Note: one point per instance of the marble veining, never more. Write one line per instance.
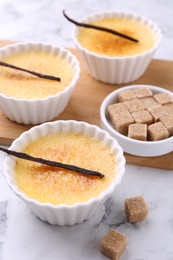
(3, 216)
(25, 237)
(3, 221)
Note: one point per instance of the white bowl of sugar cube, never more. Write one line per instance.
(140, 118)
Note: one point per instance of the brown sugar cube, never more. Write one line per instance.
(157, 112)
(136, 209)
(138, 131)
(133, 105)
(143, 117)
(168, 108)
(117, 108)
(113, 244)
(163, 98)
(157, 131)
(143, 92)
(126, 95)
(148, 102)
(168, 122)
(121, 123)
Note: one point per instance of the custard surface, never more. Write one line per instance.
(21, 85)
(111, 45)
(58, 186)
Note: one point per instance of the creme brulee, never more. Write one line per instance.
(22, 85)
(111, 45)
(58, 186)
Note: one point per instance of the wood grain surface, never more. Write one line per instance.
(85, 102)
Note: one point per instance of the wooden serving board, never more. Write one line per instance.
(85, 102)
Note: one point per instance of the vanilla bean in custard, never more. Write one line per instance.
(52, 163)
(100, 28)
(39, 75)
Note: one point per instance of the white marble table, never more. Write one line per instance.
(23, 236)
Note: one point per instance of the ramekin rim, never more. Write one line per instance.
(100, 197)
(99, 56)
(74, 80)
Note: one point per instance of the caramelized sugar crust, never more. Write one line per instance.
(20, 84)
(58, 186)
(110, 45)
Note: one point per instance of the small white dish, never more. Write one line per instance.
(131, 146)
(63, 214)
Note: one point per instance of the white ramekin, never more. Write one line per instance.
(117, 70)
(64, 214)
(132, 146)
(38, 110)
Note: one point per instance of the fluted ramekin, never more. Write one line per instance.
(64, 214)
(38, 110)
(117, 70)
